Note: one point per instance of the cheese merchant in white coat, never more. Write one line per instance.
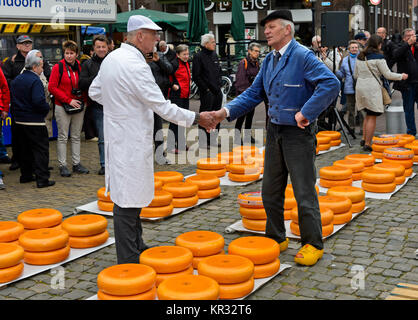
(129, 94)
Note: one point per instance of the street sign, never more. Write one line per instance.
(375, 2)
(326, 4)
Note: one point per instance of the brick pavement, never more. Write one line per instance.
(382, 241)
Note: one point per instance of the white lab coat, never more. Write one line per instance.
(129, 94)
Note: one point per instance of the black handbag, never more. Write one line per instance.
(69, 109)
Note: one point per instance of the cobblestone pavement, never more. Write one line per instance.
(379, 245)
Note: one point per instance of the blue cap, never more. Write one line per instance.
(23, 38)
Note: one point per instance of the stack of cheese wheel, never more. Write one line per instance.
(252, 211)
(158, 184)
(86, 230)
(414, 147)
(355, 194)
(104, 203)
(290, 201)
(233, 273)
(168, 176)
(367, 159)
(202, 244)
(227, 157)
(356, 167)
(382, 142)
(10, 231)
(244, 172)
(327, 220)
(378, 181)
(397, 169)
(40, 218)
(11, 265)
(245, 151)
(130, 281)
(322, 143)
(188, 287)
(208, 184)
(259, 160)
(184, 193)
(333, 176)
(401, 156)
(160, 206)
(334, 135)
(340, 206)
(404, 139)
(44, 246)
(262, 251)
(168, 261)
(213, 166)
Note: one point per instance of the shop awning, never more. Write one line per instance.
(92, 30)
(163, 19)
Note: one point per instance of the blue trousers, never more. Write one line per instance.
(409, 98)
(98, 119)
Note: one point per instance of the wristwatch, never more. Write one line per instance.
(197, 118)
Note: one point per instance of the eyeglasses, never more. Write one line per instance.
(26, 43)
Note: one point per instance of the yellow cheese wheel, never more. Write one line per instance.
(397, 169)
(167, 259)
(10, 230)
(342, 218)
(126, 279)
(335, 173)
(40, 218)
(266, 270)
(211, 164)
(415, 159)
(286, 214)
(169, 176)
(256, 225)
(243, 177)
(253, 213)
(358, 206)
(258, 159)
(325, 183)
(323, 147)
(151, 294)
(227, 157)
(14, 242)
(356, 176)
(88, 241)
(247, 150)
(398, 153)
(381, 147)
(156, 212)
(322, 139)
(355, 165)
(377, 176)
(188, 287)
(289, 203)
(158, 184)
(105, 206)
(386, 139)
(205, 181)
(367, 159)
(289, 190)
(400, 180)
(258, 249)
(196, 260)
(413, 147)
(337, 204)
(181, 189)
(10, 255)
(102, 196)
(164, 276)
(335, 143)
(236, 290)
(44, 239)
(201, 242)
(218, 173)
(46, 257)
(243, 168)
(334, 135)
(406, 163)
(327, 216)
(162, 198)
(401, 143)
(326, 229)
(408, 137)
(227, 268)
(355, 194)
(250, 199)
(209, 193)
(185, 202)
(84, 225)
(408, 172)
(379, 187)
(11, 273)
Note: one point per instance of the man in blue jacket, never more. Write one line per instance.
(299, 88)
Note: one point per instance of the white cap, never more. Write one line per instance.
(141, 22)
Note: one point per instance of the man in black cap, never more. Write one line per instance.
(361, 39)
(299, 87)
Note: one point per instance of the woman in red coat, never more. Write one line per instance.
(4, 110)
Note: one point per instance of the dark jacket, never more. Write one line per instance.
(14, 65)
(246, 73)
(88, 72)
(28, 103)
(170, 55)
(181, 77)
(161, 70)
(206, 71)
(406, 63)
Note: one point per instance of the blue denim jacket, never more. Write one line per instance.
(344, 72)
(300, 82)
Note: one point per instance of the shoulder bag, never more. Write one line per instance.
(69, 109)
(385, 94)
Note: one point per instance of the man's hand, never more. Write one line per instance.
(155, 57)
(175, 87)
(4, 115)
(301, 120)
(207, 121)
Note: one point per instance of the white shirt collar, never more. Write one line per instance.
(282, 50)
(166, 50)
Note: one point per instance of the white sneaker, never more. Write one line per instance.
(2, 186)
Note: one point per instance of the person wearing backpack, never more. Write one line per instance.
(69, 107)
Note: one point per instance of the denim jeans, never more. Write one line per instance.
(98, 118)
(3, 151)
(409, 98)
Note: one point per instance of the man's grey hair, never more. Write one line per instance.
(253, 45)
(182, 47)
(316, 38)
(292, 26)
(132, 34)
(206, 38)
(406, 30)
(32, 60)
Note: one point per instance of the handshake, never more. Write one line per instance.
(210, 119)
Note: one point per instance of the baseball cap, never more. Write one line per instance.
(23, 38)
(141, 22)
(360, 36)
